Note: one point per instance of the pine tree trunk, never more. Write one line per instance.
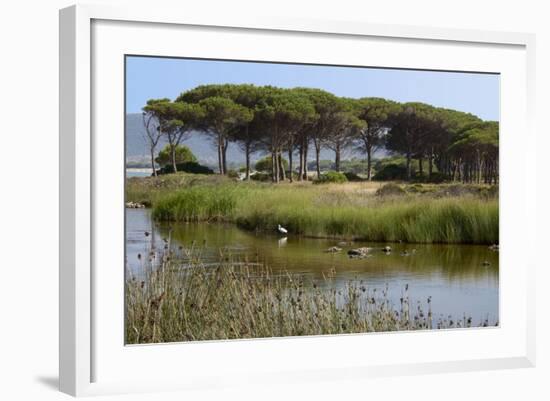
(290, 164)
(317, 160)
(224, 155)
(369, 163)
(276, 161)
(305, 162)
(153, 161)
(430, 164)
(337, 158)
(408, 166)
(281, 166)
(220, 164)
(273, 169)
(173, 157)
(301, 163)
(247, 173)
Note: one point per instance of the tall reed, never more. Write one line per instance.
(313, 211)
(183, 299)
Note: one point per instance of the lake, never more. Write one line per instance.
(139, 172)
(460, 279)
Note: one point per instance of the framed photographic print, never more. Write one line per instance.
(248, 201)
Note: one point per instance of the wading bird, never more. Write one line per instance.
(282, 230)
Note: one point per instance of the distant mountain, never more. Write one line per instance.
(137, 149)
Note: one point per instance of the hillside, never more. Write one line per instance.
(137, 149)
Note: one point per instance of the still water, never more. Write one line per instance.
(457, 277)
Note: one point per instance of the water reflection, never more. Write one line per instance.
(461, 279)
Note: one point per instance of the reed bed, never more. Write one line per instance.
(330, 211)
(182, 299)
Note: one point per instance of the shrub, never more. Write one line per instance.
(264, 165)
(418, 188)
(391, 172)
(258, 176)
(353, 177)
(331, 177)
(183, 155)
(437, 177)
(233, 174)
(187, 167)
(324, 165)
(390, 189)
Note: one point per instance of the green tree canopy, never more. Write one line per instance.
(182, 153)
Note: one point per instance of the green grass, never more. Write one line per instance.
(184, 300)
(410, 220)
(442, 214)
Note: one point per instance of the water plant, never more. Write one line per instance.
(350, 211)
(183, 299)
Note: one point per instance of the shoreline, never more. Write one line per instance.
(319, 237)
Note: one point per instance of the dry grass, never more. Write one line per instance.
(184, 300)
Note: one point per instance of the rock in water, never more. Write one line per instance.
(334, 249)
(134, 205)
(359, 252)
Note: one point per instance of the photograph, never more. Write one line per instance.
(272, 199)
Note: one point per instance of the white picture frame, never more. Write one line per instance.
(83, 344)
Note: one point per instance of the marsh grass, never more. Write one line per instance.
(335, 212)
(182, 299)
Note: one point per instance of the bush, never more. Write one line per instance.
(391, 172)
(331, 177)
(353, 177)
(437, 178)
(264, 165)
(390, 189)
(233, 174)
(258, 176)
(187, 167)
(183, 155)
(324, 165)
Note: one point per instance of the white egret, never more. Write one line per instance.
(282, 230)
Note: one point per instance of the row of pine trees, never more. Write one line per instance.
(291, 123)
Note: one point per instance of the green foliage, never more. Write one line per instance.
(324, 165)
(331, 177)
(197, 204)
(332, 210)
(262, 177)
(183, 155)
(457, 145)
(186, 167)
(353, 177)
(264, 164)
(233, 174)
(391, 172)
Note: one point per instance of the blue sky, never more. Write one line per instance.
(151, 77)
